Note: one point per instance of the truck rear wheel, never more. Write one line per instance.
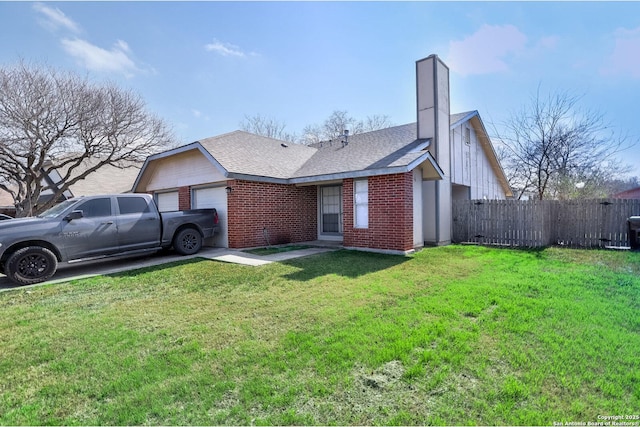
(187, 241)
(33, 264)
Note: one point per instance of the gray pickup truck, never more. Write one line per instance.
(89, 228)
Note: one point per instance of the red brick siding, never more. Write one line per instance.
(390, 214)
(184, 198)
(289, 213)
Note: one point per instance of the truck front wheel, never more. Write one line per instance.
(187, 241)
(33, 264)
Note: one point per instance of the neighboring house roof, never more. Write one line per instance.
(105, 180)
(633, 193)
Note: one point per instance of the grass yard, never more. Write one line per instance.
(452, 335)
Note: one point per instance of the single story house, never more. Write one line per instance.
(389, 190)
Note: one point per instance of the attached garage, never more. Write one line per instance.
(213, 197)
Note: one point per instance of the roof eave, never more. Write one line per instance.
(258, 178)
(465, 118)
(364, 173)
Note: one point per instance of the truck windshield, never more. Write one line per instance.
(57, 209)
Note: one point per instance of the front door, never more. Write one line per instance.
(331, 212)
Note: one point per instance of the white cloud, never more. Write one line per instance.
(199, 114)
(55, 18)
(225, 49)
(486, 50)
(118, 59)
(625, 58)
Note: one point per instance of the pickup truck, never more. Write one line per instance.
(89, 228)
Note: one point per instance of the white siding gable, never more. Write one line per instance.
(470, 166)
(183, 169)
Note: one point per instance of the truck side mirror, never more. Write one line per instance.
(74, 215)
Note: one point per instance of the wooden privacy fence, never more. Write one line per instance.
(532, 223)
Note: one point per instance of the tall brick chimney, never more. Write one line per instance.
(433, 114)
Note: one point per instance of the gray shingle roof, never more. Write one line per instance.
(367, 151)
(245, 153)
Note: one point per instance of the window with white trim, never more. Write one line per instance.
(361, 203)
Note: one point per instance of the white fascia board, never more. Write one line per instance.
(422, 146)
(468, 117)
(428, 158)
(373, 172)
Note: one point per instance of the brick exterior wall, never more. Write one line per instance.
(390, 214)
(184, 198)
(288, 213)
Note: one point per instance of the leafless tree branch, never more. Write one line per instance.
(552, 145)
(51, 119)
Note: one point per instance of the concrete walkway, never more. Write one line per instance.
(239, 257)
(67, 272)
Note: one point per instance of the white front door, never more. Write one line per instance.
(330, 215)
(213, 197)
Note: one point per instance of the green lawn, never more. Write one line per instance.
(452, 335)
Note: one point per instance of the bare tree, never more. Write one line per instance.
(552, 148)
(339, 121)
(267, 126)
(333, 127)
(376, 122)
(58, 120)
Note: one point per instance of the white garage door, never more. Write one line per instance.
(214, 197)
(167, 202)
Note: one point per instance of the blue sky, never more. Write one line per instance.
(203, 66)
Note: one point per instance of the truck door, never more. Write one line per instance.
(138, 224)
(95, 233)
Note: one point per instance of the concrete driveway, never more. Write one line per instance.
(67, 272)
